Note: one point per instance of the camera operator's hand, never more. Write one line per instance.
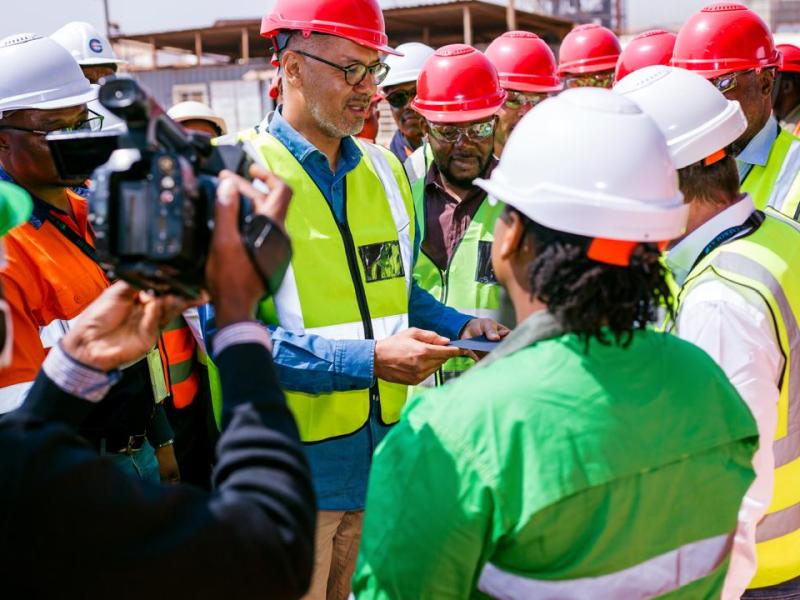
(234, 284)
(121, 326)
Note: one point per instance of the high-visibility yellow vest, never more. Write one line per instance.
(346, 281)
(468, 284)
(764, 183)
(767, 262)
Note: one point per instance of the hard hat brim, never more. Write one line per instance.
(90, 62)
(69, 101)
(602, 215)
(400, 78)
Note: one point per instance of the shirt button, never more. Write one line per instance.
(78, 299)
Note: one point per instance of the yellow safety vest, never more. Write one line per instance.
(346, 281)
(767, 262)
(468, 284)
(764, 183)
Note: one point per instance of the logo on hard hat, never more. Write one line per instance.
(95, 45)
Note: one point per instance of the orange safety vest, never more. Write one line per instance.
(179, 356)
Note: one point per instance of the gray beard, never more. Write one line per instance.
(325, 125)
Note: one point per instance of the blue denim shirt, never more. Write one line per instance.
(314, 365)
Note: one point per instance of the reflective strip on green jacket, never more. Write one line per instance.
(767, 262)
(555, 473)
(777, 184)
(468, 284)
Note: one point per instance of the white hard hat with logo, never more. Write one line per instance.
(37, 73)
(87, 45)
(191, 110)
(407, 67)
(697, 119)
(590, 162)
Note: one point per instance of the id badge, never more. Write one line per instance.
(382, 261)
(157, 378)
(484, 273)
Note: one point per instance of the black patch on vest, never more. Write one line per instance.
(485, 273)
(382, 261)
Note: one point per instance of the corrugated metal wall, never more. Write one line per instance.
(162, 81)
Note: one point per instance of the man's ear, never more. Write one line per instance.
(5, 143)
(292, 68)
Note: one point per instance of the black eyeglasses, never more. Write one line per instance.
(357, 72)
(475, 132)
(401, 98)
(94, 122)
(603, 79)
(516, 100)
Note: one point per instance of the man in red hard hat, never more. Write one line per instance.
(527, 70)
(588, 57)
(730, 45)
(652, 47)
(787, 100)
(340, 322)
(458, 96)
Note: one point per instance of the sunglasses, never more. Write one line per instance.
(356, 72)
(600, 80)
(475, 132)
(401, 98)
(726, 83)
(94, 122)
(516, 100)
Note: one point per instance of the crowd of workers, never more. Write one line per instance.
(621, 229)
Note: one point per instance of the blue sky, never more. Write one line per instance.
(136, 16)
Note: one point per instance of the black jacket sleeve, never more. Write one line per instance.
(72, 525)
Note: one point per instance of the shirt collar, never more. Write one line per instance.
(757, 150)
(303, 150)
(683, 256)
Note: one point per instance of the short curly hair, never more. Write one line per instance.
(593, 299)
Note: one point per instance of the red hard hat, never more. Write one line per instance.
(588, 49)
(646, 49)
(524, 62)
(456, 84)
(360, 21)
(791, 57)
(723, 38)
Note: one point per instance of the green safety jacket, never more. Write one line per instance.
(767, 262)
(468, 284)
(345, 281)
(765, 183)
(553, 472)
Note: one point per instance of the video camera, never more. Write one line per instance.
(152, 195)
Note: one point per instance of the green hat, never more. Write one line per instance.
(15, 206)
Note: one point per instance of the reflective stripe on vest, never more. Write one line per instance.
(655, 577)
(767, 262)
(180, 351)
(319, 294)
(468, 284)
(775, 184)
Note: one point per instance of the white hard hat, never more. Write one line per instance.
(87, 45)
(190, 110)
(590, 162)
(696, 118)
(40, 74)
(407, 67)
